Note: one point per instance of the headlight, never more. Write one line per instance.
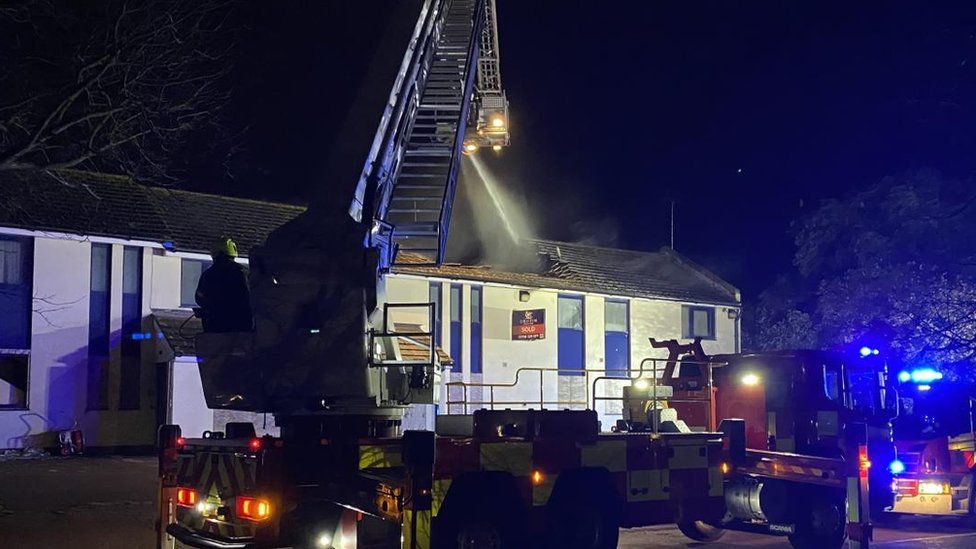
(932, 488)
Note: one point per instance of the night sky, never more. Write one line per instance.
(746, 114)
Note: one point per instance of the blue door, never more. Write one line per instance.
(571, 334)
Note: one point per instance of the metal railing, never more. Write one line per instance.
(413, 337)
(590, 385)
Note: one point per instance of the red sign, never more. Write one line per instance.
(529, 324)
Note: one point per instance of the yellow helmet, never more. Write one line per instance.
(224, 246)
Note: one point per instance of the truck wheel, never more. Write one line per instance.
(481, 511)
(582, 524)
(583, 511)
(483, 529)
(699, 531)
(821, 526)
(481, 534)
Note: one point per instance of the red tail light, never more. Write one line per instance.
(187, 497)
(905, 487)
(253, 508)
(180, 442)
(255, 444)
(863, 463)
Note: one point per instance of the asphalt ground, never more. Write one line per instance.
(109, 503)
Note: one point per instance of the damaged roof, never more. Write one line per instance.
(94, 204)
(664, 274)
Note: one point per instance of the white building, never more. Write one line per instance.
(83, 269)
(592, 313)
(97, 282)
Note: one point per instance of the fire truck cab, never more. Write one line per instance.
(935, 441)
(809, 420)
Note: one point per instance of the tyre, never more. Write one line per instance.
(481, 511)
(822, 525)
(699, 531)
(481, 530)
(582, 524)
(583, 512)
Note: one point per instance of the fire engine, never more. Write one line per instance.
(935, 442)
(328, 360)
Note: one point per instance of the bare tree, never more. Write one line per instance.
(117, 85)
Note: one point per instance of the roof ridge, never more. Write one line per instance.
(701, 271)
(157, 188)
(593, 246)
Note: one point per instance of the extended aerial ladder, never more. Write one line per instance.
(438, 113)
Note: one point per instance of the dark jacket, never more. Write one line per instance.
(223, 294)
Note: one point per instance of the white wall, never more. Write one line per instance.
(165, 281)
(58, 345)
(58, 380)
(503, 357)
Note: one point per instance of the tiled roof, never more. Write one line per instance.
(93, 204)
(575, 267)
(105, 205)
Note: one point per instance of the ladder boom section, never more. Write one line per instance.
(408, 184)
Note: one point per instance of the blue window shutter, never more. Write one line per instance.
(476, 334)
(434, 293)
(456, 308)
(130, 377)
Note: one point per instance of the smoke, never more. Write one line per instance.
(603, 232)
(490, 222)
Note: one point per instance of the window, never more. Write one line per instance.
(16, 274)
(617, 337)
(129, 381)
(190, 271)
(14, 368)
(16, 298)
(476, 320)
(456, 303)
(570, 325)
(434, 292)
(698, 322)
(99, 315)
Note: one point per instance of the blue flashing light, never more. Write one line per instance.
(925, 375)
(896, 467)
(139, 336)
(904, 376)
(924, 387)
(866, 352)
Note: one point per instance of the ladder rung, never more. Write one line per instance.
(414, 210)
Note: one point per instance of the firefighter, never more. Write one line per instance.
(222, 293)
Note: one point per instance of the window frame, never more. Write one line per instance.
(582, 330)
(26, 353)
(98, 356)
(456, 326)
(27, 282)
(204, 265)
(689, 328)
(130, 378)
(477, 344)
(438, 305)
(625, 372)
